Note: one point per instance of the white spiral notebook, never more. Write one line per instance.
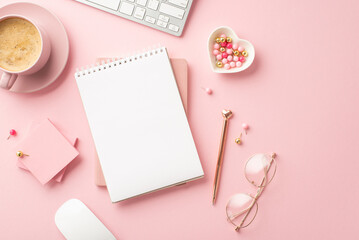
(138, 124)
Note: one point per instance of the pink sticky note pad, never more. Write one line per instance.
(49, 152)
(72, 140)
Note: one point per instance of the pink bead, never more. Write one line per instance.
(230, 57)
(242, 59)
(232, 64)
(12, 133)
(208, 91)
(216, 46)
(240, 49)
(219, 57)
(245, 126)
(215, 52)
(238, 64)
(235, 58)
(227, 66)
(224, 55)
(225, 60)
(223, 44)
(235, 46)
(229, 45)
(223, 35)
(229, 51)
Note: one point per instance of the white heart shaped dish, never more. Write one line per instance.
(235, 39)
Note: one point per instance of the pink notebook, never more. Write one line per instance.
(179, 67)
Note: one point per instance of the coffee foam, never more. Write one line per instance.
(20, 44)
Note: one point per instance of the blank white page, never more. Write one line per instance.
(139, 125)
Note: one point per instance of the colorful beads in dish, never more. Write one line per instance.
(228, 54)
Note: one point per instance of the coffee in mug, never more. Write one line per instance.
(24, 48)
(20, 44)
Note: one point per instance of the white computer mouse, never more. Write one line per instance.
(77, 222)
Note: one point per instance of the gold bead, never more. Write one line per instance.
(218, 40)
(222, 49)
(236, 52)
(244, 54)
(238, 141)
(20, 154)
(223, 39)
(219, 64)
(229, 39)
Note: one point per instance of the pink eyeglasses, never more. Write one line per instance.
(242, 208)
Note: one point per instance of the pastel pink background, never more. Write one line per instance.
(300, 98)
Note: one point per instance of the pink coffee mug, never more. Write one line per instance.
(8, 78)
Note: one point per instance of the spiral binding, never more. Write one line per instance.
(116, 62)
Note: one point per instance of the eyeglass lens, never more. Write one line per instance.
(260, 169)
(238, 210)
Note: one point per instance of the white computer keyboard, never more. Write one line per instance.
(166, 15)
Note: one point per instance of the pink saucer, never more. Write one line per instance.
(59, 46)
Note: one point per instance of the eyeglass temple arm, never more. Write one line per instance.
(239, 214)
(259, 193)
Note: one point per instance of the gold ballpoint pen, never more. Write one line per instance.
(226, 115)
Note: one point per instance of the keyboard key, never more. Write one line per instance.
(163, 18)
(161, 23)
(173, 28)
(181, 3)
(126, 8)
(150, 19)
(139, 13)
(171, 10)
(142, 2)
(153, 4)
(112, 4)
